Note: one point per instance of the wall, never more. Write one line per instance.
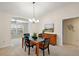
(5, 29)
(33, 28)
(56, 17)
(71, 35)
(25, 26)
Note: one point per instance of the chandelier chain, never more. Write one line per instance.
(34, 9)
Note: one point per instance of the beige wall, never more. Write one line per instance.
(71, 35)
(33, 28)
(5, 29)
(57, 16)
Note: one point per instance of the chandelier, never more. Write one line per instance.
(33, 20)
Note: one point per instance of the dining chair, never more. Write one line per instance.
(28, 43)
(43, 45)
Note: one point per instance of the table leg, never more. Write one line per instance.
(37, 49)
(22, 42)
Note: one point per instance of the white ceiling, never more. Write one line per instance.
(25, 8)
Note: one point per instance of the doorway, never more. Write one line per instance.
(18, 27)
(71, 31)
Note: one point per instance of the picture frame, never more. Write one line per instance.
(49, 28)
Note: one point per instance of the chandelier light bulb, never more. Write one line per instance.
(30, 20)
(37, 21)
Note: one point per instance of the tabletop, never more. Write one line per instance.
(38, 39)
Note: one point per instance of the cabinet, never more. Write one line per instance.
(52, 37)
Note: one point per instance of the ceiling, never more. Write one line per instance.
(25, 9)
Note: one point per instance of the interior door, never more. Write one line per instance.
(71, 31)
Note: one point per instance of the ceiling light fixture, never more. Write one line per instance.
(33, 20)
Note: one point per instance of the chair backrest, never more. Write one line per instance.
(26, 36)
(46, 41)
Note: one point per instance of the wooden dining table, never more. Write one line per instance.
(36, 43)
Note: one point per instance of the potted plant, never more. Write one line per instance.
(34, 36)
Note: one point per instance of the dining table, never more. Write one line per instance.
(35, 42)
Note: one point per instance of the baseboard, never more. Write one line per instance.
(7, 45)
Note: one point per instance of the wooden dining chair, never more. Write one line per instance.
(43, 45)
(28, 43)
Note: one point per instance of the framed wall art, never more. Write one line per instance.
(48, 28)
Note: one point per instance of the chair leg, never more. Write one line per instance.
(43, 53)
(32, 46)
(29, 51)
(25, 47)
(48, 51)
